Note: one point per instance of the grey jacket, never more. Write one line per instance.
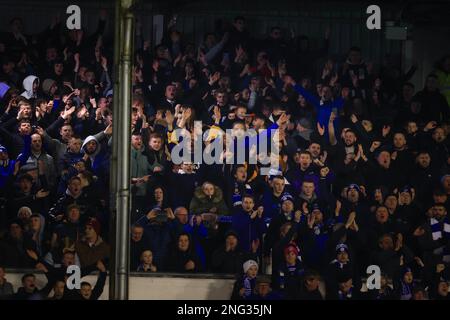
(57, 148)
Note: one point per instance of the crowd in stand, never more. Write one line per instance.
(363, 175)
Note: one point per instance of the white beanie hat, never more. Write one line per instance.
(248, 264)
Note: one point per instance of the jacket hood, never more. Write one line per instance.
(3, 89)
(28, 86)
(216, 198)
(85, 142)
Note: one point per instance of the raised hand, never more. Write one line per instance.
(255, 245)
(40, 131)
(214, 78)
(337, 210)
(42, 194)
(374, 146)
(108, 130)
(320, 129)
(104, 63)
(82, 113)
(260, 211)
(305, 208)
(32, 254)
(386, 130)
(100, 266)
(429, 126)
(169, 117)
(283, 119)
(351, 219)
(311, 220)
(323, 157)
(152, 214)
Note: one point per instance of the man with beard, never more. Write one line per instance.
(434, 236)
(346, 147)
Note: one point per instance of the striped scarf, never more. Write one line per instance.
(249, 285)
(439, 230)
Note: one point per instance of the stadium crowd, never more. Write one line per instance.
(363, 179)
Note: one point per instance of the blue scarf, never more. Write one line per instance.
(439, 230)
(249, 285)
(406, 291)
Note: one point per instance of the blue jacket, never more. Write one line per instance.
(6, 172)
(247, 229)
(323, 110)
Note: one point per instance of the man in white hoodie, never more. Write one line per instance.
(31, 85)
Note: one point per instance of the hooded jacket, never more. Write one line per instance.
(99, 160)
(202, 204)
(28, 86)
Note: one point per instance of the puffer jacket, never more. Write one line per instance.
(202, 204)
